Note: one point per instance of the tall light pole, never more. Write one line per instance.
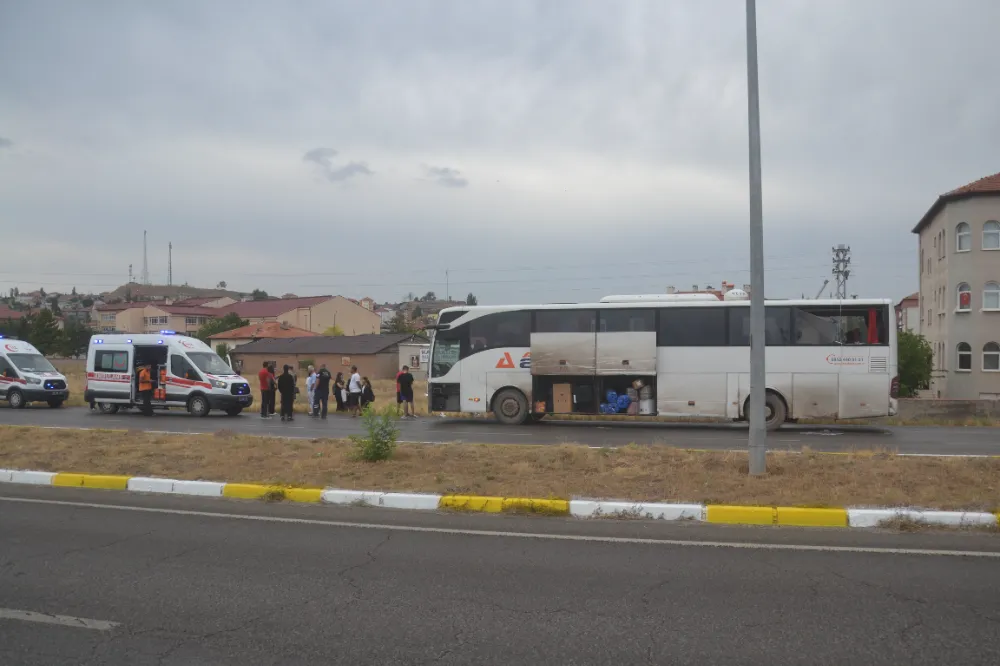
(758, 429)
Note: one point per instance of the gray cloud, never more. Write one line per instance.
(323, 158)
(614, 134)
(5, 142)
(446, 176)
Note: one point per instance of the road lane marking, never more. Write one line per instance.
(61, 620)
(737, 545)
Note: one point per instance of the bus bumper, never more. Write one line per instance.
(893, 406)
(229, 401)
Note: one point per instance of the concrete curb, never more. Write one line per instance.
(710, 513)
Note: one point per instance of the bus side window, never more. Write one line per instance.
(180, 367)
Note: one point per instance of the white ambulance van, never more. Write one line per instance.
(25, 376)
(185, 373)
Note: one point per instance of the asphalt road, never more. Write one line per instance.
(182, 581)
(433, 429)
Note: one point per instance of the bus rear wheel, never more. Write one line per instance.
(510, 407)
(108, 407)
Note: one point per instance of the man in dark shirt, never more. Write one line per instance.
(322, 391)
(405, 383)
(286, 386)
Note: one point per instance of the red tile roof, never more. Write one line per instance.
(267, 331)
(6, 313)
(983, 186)
(271, 307)
(987, 185)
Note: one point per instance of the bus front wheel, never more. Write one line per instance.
(775, 410)
(510, 407)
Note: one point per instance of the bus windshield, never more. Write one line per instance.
(210, 363)
(447, 349)
(31, 363)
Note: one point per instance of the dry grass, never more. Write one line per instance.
(564, 471)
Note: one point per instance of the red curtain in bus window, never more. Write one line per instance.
(873, 326)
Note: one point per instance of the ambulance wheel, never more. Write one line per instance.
(107, 408)
(234, 411)
(16, 399)
(198, 405)
(55, 404)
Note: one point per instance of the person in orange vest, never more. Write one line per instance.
(145, 390)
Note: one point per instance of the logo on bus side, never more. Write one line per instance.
(507, 363)
(837, 359)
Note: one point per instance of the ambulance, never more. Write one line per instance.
(185, 372)
(25, 376)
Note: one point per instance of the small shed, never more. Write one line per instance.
(376, 355)
(417, 355)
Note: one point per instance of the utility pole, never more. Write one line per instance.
(758, 426)
(447, 286)
(170, 264)
(145, 261)
(841, 268)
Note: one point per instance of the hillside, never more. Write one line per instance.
(174, 292)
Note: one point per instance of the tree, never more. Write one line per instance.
(410, 297)
(87, 302)
(54, 305)
(471, 299)
(45, 333)
(221, 285)
(220, 325)
(222, 349)
(75, 339)
(916, 360)
(42, 292)
(334, 331)
(429, 296)
(417, 312)
(259, 295)
(73, 293)
(399, 324)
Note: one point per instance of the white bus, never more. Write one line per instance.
(675, 356)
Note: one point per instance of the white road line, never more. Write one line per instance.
(62, 620)
(522, 535)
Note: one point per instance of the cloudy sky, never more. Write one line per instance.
(552, 150)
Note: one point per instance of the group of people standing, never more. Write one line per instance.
(271, 385)
(352, 394)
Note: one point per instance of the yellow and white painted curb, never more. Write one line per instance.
(583, 508)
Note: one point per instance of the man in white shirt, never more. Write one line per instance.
(354, 392)
(311, 390)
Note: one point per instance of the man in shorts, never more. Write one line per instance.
(354, 392)
(404, 382)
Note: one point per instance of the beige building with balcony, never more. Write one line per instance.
(960, 290)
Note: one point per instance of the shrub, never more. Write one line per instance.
(380, 442)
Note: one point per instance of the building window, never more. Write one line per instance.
(964, 356)
(991, 357)
(921, 261)
(963, 237)
(991, 296)
(964, 297)
(991, 235)
(930, 321)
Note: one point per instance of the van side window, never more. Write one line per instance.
(6, 369)
(180, 367)
(110, 361)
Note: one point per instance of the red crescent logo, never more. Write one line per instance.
(10, 347)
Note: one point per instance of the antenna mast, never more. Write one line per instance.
(170, 264)
(841, 268)
(145, 261)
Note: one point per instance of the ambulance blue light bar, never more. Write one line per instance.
(168, 332)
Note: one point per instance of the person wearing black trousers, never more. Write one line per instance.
(286, 386)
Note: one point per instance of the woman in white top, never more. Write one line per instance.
(354, 392)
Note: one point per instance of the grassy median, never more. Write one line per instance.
(563, 471)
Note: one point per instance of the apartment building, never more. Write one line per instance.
(959, 297)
